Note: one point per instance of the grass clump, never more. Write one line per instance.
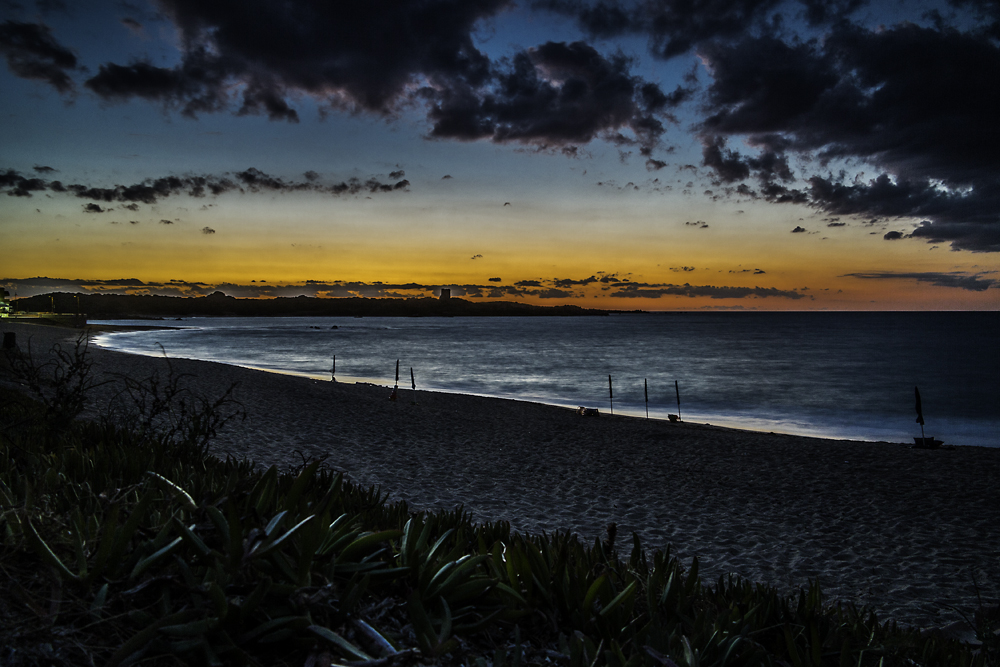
(125, 543)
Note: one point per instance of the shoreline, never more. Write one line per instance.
(903, 530)
(955, 433)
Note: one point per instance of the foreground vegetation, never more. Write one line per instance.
(123, 542)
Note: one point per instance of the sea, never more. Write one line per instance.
(826, 374)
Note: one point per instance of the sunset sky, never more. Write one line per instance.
(653, 154)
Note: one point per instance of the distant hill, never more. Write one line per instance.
(217, 304)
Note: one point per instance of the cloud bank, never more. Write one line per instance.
(803, 104)
(256, 57)
(547, 288)
(905, 101)
(152, 190)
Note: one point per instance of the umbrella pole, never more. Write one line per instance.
(645, 391)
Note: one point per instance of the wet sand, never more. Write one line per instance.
(909, 532)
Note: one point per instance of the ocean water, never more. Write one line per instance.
(842, 375)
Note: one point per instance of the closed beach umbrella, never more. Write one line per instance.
(920, 410)
(413, 382)
(677, 388)
(611, 395)
(397, 372)
(645, 391)
(920, 416)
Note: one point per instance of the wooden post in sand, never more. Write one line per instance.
(333, 370)
(611, 395)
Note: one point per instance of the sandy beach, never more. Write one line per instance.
(910, 532)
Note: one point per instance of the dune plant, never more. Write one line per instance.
(60, 381)
(164, 407)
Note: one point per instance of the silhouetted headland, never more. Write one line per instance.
(217, 304)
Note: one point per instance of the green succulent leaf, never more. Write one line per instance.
(47, 554)
(186, 500)
(367, 542)
(351, 651)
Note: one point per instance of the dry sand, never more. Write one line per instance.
(903, 530)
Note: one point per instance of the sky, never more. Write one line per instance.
(620, 154)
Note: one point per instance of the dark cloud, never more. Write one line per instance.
(673, 26)
(207, 230)
(40, 285)
(554, 95)
(51, 6)
(903, 100)
(972, 283)
(150, 191)
(538, 289)
(17, 185)
(500, 291)
(893, 236)
(446, 177)
(472, 291)
(986, 11)
(256, 58)
(94, 208)
(728, 165)
(43, 169)
(363, 57)
(569, 282)
(166, 222)
(496, 280)
(196, 86)
(33, 53)
(313, 288)
(798, 230)
(553, 293)
(396, 175)
(818, 12)
(132, 24)
(654, 291)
